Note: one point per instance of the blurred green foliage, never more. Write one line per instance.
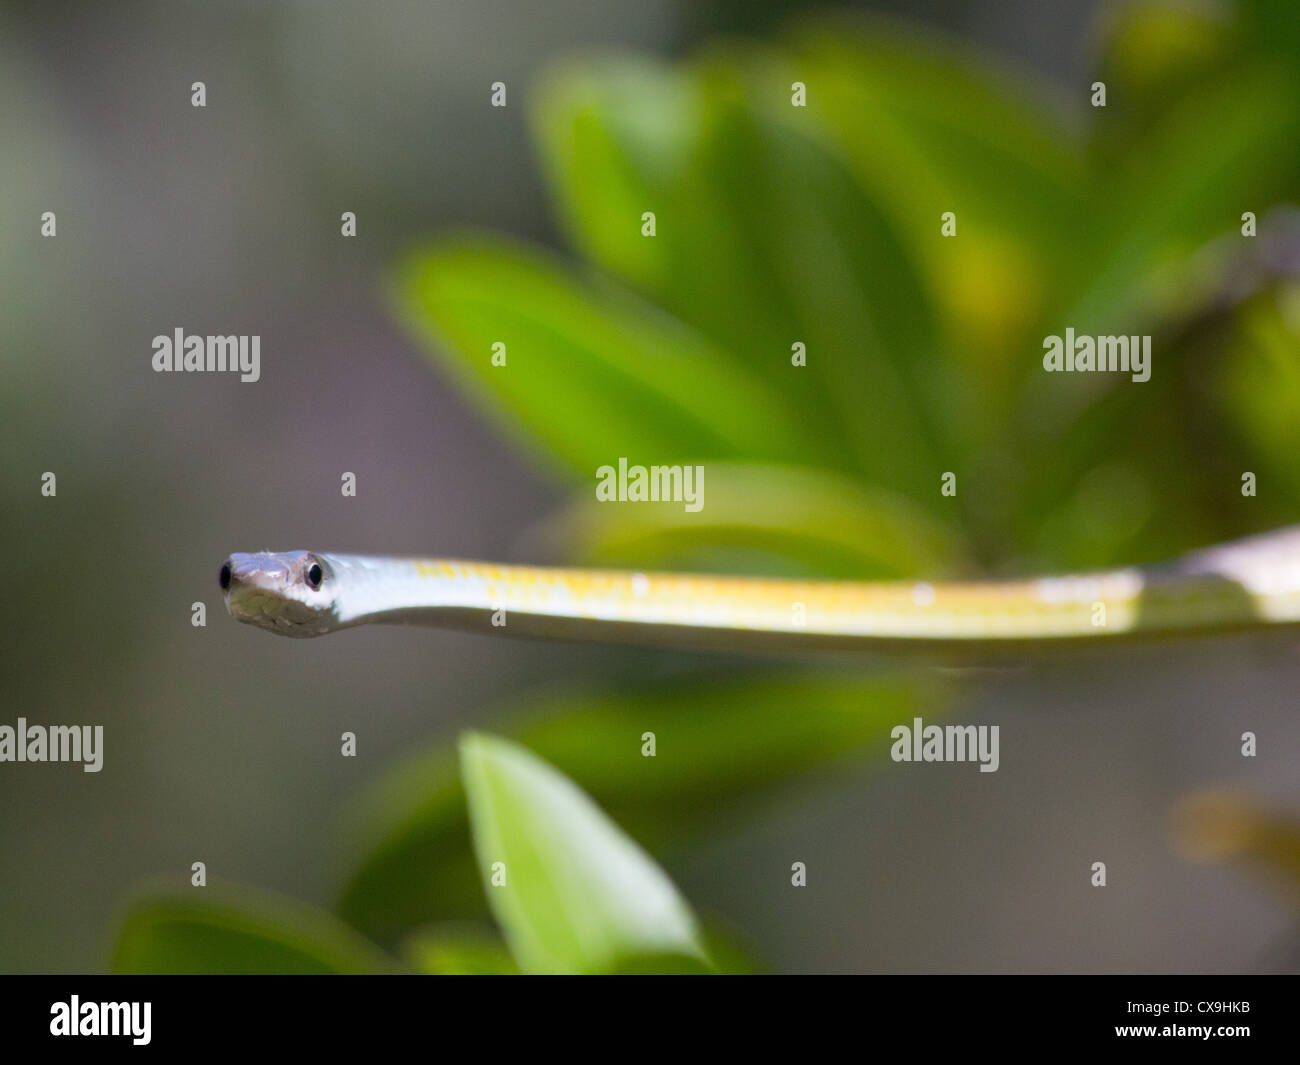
(238, 931)
(415, 866)
(821, 225)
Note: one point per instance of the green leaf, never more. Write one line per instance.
(590, 375)
(618, 137)
(215, 930)
(1228, 147)
(928, 126)
(723, 742)
(458, 950)
(411, 828)
(793, 522)
(763, 240)
(1154, 52)
(1271, 26)
(572, 892)
(1259, 378)
(468, 949)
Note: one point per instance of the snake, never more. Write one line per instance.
(1247, 584)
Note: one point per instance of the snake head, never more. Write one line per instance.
(288, 592)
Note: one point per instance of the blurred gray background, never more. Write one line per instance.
(221, 743)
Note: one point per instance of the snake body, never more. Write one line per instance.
(1246, 584)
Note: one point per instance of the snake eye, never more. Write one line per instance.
(224, 578)
(314, 576)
